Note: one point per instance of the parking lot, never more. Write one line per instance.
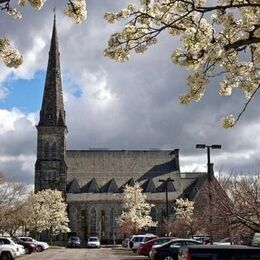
(84, 253)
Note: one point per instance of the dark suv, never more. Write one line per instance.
(74, 241)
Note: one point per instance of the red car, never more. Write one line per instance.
(145, 248)
(28, 247)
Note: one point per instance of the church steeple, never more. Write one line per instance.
(52, 111)
(50, 166)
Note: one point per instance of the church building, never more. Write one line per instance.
(93, 180)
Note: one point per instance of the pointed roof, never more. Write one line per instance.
(193, 189)
(73, 187)
(148, 186)
(162, 187)
(111, 186)
(91, 187)
(52, 110)
(130, 182)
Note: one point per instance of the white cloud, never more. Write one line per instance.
(3, 92)
(133, 105)
(18, 144)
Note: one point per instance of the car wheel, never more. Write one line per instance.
(27, 251)
(39, 248)
(168, 258)
(6, 256)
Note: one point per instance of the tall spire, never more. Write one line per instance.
(52, 111)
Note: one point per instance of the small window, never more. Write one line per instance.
(177, 244)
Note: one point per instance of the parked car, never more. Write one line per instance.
(74, 241)
(219, 252)
(204, 239)
(125, 242)
(40, 246)
(145, 248)
(131, 243)
(170, 249)
(93, 242)
(8, 241)
(28, 246)
(256, 240)
(8, 252)
(138, 239)
(223, 242)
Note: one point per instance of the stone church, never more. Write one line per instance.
(93, 180)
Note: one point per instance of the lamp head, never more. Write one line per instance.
(216, 146)
(200, 146)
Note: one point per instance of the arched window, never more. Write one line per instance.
(93, 222)
(112, 221)
(154, 219)
(154, 214)
(103, 223)
(54, 149)
(46, 149)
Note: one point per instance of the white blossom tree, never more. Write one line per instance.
(184, 209)
(218, 39)
(136, 211)
(48, 212)
(183, 222)
(75, 9)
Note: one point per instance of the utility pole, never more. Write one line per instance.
(167, 181)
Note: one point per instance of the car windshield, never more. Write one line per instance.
(93, 239)
(74, 238)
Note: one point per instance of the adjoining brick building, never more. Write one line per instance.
(93, 180)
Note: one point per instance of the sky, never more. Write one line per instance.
(131, 105)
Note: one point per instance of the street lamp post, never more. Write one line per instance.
(210, 173)
(169, 179)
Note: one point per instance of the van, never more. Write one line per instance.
(138, 239)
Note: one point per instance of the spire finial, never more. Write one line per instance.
(54, 13)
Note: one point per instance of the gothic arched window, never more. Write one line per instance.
(154, 219)
(154, 214)
(93, 221)
(54, 149)
(46, 149)
(112, 221)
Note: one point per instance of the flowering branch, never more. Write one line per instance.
(211, 45)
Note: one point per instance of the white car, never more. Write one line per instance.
(8, 252)
(138, 239)
(8, 241)
(93, 242)
(40, 246)
(223, 242)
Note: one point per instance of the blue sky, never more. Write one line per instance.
(24, 94)
(118, 106)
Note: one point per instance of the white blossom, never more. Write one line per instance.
(135, 208)
(184, 209)
(223, 40)
(48, 212)
(10, 56)
(228, 121)
(76, 10)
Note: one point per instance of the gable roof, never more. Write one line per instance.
(91, 187)
(111, 186)
(192, 190)
(170, 186)
(73, 186)
(149, 186)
